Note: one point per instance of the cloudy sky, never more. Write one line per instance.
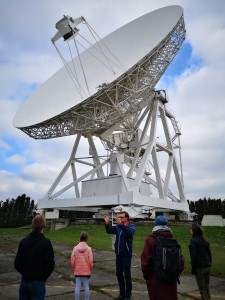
(194, 82)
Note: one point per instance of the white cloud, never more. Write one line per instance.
(13, 186)
(16, 159)
(4, 145)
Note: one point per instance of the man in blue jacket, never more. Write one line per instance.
(124, 230)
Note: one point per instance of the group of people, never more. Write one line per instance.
(35, 260)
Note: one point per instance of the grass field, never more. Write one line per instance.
(100, 240)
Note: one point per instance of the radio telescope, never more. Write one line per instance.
(106, 96)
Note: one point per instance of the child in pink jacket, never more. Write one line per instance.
(82, 263)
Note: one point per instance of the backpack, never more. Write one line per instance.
(167, 259)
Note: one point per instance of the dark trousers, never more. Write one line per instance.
(32, 290)
(202, 278)
(123, 273)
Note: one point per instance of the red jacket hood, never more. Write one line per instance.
(82, 247)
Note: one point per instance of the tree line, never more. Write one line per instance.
(207, 207)
(20, 211)
(16, 212)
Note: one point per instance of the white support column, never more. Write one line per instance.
(168, 175)
(65, 168)
(74, 173)
(100, 172)
(170, 147)
(150, 145)
(138, 149)
(124, 177)
(179, 182)
(73, 168)
(157, 174)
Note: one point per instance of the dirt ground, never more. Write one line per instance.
(103, 283)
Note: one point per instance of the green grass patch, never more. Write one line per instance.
(23, 231)
(99, 239)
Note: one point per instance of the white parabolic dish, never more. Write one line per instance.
(130, 44)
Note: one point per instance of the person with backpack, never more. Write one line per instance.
(82, 263)
(201, 260)
(161, 262)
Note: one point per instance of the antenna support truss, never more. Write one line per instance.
(131, 173)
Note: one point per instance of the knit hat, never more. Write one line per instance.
(160, 220)
(38, 223)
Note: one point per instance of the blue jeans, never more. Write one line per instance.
(32, 290)
(85, 282)
(123, 273)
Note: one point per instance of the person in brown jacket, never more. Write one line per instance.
(157, 289)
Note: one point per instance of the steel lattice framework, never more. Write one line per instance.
(141, 168)
(112, 102)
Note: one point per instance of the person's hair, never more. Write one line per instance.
(38, 223)
(125, 214)
(198, 232)
(83, 237)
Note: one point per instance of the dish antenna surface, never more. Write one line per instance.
(108, 91)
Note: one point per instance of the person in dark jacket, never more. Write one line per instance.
(34, 261)
(201, 260)
(157, 289)
(124, 230)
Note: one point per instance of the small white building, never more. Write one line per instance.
(213, 220)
